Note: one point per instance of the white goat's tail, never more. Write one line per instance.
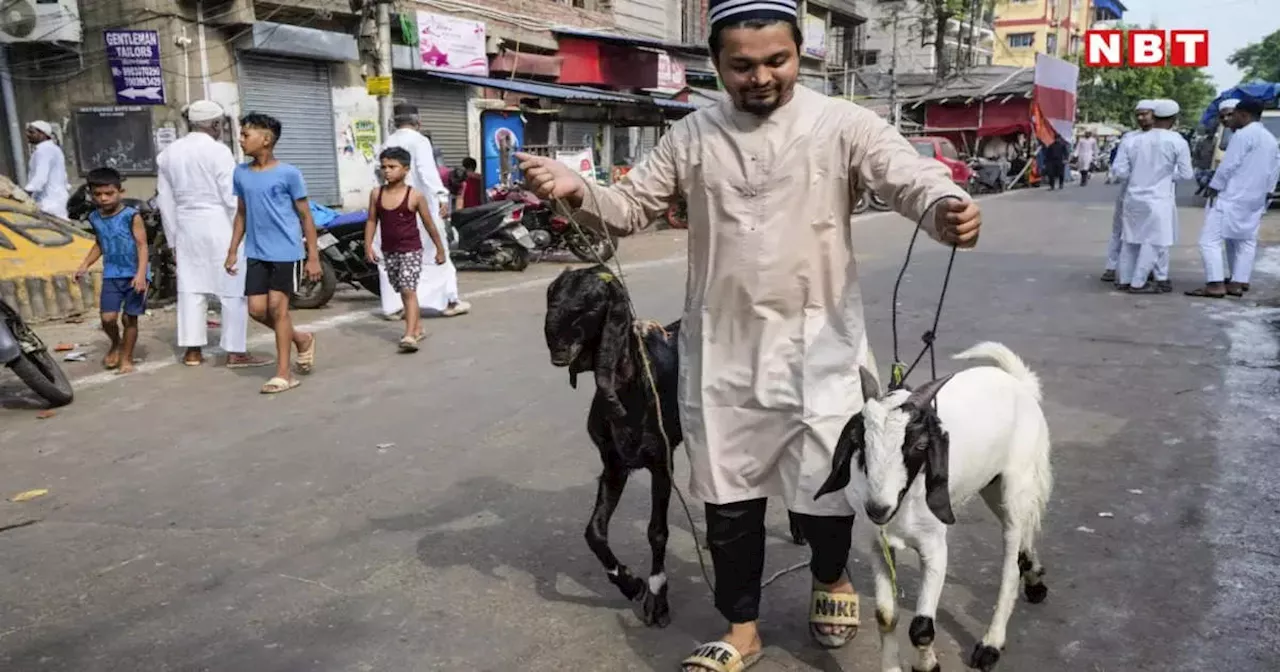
(1006, 360)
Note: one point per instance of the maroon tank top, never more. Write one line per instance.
(399, 226)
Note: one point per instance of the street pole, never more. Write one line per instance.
(11, 114)
(384, 66)
(893, 73)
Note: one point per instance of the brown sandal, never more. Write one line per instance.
(1204, 293)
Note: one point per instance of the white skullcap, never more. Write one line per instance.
(1145, 105)
(1228, 104)
(204, 110)
(1165, 108)
(42, 126)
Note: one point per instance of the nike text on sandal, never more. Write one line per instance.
(719, 657)
(838, 610)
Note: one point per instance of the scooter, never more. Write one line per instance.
(551, 232)
(22, 351)
(342, 260)
(490, 236)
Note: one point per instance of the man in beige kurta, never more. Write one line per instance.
(772, 334)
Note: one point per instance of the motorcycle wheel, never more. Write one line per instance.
(876, 202)
(312, 295)
(599, 248)
(42, 374)
(519, 257)
(862, 205)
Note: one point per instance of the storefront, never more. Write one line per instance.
(442, 107)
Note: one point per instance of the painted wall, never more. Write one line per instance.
(357, 134)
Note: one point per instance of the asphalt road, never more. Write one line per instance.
(425, 512)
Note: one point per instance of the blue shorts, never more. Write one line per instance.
(118, 295)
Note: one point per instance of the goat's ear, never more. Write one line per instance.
(848, 446)
(870, 388)
(921, 396)
(614, 367)
(937, 470)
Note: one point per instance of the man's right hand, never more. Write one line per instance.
(551, 180)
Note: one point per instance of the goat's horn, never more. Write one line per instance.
(921, 396)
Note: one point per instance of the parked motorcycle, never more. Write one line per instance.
(163, 288)
(342, 261)
(490, 236)
(22, 351)
(551, 231)
(988, 176)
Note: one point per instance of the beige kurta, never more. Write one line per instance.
(773, 331)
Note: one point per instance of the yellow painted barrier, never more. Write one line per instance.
(39, 255)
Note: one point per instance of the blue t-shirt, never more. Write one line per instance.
(115, 239)
(273, 231)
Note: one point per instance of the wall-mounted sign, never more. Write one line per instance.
(815, 36)
(134, 58)
(670, 73)
(378, 85)
(450, 44)
(120, 137)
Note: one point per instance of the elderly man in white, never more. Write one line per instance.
(438, 284)
(1150, 164)
(1142, 114)
(47, 178)
(197, 207)
(1237, 200)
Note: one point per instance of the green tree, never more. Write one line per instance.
(1109, 94)
(1260, 60)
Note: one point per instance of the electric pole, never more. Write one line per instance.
(384, 67)
(893, 72)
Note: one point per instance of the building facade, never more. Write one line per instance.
(1056, 28)
(908, 25)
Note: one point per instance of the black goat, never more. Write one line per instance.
(589, 327)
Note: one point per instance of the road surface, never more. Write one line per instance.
(425, 512)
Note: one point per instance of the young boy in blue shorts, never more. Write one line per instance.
(273, 218)
(122, 245)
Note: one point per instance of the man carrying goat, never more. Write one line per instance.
(772, 333)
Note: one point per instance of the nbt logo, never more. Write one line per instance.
(1146, 48)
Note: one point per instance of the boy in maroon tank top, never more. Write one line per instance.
(397, 208)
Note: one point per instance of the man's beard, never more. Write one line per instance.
(763, 105)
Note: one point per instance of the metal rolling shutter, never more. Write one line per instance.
(298, 94)
(442, 108)
(578, 133)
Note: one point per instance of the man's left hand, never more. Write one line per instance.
(312, 269)
(958, 222)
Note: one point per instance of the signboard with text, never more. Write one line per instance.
(451, 44)
(134, 57)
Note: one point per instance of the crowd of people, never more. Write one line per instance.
(244, 235)
(1150, 160)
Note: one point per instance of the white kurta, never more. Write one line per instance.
(1086, 150)
(1150, 163)
(197, 208)
(438, 284)
(47, 179)
(773, 331)
(1244, 180)
(1117, 217)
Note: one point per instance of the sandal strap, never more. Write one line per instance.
(716, 656)
(833, 608)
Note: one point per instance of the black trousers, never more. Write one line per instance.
(1084, 178)
(735, 534)
(1056, 172)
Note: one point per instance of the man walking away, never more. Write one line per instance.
(197, 205)
(438, 284)
(1055, 161)
(1142, 113)
(1237, 200)
(47, 178)
(1086, 150)
(773, 330)
(1150, 164)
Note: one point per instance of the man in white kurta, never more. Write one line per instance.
(1142, 113)
(47, 177)
(437, 284)
(772, 333)
(1150, 164)
(1238, 196)
(197, 206)
(1086, 151)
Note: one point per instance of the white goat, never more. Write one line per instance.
(987, 436)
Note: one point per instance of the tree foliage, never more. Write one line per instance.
(1259, 61)
(1109, 94)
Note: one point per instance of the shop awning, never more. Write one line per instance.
(567, 93)
(1115, 7)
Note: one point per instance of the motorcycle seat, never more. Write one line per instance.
(465, 215)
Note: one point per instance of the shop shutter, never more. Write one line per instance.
(442, 107)
(297, 93)
(578, 134)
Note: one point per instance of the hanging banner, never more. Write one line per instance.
(450, 44)
(1053, 102)
(580, 161)
(815, 36)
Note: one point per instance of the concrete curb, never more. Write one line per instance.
(55, 297)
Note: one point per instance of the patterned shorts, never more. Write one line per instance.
(403, 269)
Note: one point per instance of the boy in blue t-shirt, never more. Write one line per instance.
(122, 245)
(273, 219)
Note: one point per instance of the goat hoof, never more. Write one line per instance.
(655, 611)
(984, 657)
(1036, 592)
(632, 587)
